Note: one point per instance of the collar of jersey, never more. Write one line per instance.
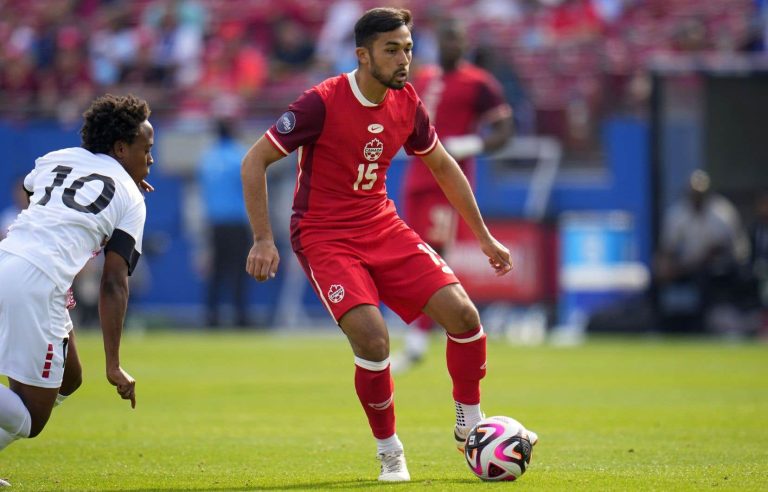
(357, 92)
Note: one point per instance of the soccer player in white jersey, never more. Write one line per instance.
(81, 200)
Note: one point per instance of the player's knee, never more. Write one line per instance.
(36, 428)
(467, 317)
(375, 349)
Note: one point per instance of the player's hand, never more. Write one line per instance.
(126, 385)
(146, 186)
(498, 256)
(262, 260)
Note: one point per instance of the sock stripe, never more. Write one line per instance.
(476, 336)
(371, 365)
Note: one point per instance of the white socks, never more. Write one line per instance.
(467, 415)
(15, 421)
(59, 400)
(391, 443)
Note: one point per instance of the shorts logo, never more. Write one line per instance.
(373, 149)
(375, 128)
(336, 293)
(48, 361)
(286, 123)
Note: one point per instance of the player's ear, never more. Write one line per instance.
(119, 148)
(363, 56)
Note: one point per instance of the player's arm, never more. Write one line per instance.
(113, 303)
(454, 184)
(263, 258)
(463, 146)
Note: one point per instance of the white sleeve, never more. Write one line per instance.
(128, 235)
(29, 181)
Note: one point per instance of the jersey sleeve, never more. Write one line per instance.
(126, 240)
(423, 139)
(490, 102)
(300, 125)
(29, 182)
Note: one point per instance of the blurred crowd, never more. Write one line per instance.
(563, 63)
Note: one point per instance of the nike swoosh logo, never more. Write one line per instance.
(375, 128)
(383, 405)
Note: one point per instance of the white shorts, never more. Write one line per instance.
(34, 324)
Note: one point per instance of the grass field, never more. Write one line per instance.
(267, 412)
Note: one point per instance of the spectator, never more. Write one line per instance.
(293, 51)
(702, 247)
(230, 239)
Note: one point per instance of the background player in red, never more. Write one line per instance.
(355, 250)
(462, 99)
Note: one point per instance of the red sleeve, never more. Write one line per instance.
(423, 139)
(300, 125)
(490, 102)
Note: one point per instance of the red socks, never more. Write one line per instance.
(465, 354)
(375, 389)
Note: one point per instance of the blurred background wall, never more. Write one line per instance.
(616, 102)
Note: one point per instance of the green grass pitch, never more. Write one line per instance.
(242, 411)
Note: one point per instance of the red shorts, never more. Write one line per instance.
(431, 216)
(393, 266)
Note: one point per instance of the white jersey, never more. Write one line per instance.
(80, 202)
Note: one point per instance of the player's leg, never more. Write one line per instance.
(33, 320)
(38, 401)
(431, 217)
(367, 333)
(73, 371)
(343, 283)
(465, 352)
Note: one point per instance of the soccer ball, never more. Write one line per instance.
(498, 448)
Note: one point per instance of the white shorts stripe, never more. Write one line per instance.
(477, 336)
(320, 293)
(370, 365)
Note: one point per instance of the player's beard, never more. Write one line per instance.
(391, 81)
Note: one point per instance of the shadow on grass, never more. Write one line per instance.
(329, 485)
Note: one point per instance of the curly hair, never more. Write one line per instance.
(110, 119)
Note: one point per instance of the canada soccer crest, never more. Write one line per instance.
(373, 149)
(336, 293)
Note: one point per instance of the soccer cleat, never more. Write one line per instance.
(460, 434)
(533, 438)
(393, 467)
(4, 483)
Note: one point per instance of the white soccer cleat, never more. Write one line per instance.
(4, 483)
(533, 438)
(393, 467)
(460, 434)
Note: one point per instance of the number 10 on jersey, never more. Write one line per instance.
(366, 172)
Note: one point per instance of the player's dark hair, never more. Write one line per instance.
(379, 20)
(110, 119)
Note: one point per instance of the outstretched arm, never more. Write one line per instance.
(113, 303)
(456, 188)
(263, 258)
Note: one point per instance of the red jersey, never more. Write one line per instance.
(457, 103)
(345, 145)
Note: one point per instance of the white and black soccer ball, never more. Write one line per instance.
(497, 448)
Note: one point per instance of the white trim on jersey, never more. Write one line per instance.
(274, 142)
(357, 92)
(430, 148)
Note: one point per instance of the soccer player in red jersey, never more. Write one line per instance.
(355, 250)
(461, 100)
